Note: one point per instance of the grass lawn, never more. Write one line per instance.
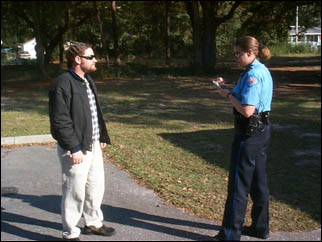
(172, 132)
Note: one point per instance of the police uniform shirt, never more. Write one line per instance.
(255, 87)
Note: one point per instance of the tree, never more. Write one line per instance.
(205, 19)
(197, 29)
(167, 35)
(270, 21)
(102, 32)
(13, 30)
(115, 34)
(49, 22)
(35, 14)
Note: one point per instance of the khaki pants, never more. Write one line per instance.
(82, 190)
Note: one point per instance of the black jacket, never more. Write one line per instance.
(70, 115)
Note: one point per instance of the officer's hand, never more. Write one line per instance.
(77, 157)
(220, 80)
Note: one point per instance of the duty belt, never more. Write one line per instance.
(249, 125)
(263, 116)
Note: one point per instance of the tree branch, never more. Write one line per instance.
(230, 14)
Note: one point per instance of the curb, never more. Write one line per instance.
(27, 139)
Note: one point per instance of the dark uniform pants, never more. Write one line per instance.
(247, 175)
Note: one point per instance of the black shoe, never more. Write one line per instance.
(104, 231)
(73, 239)
(251, 231)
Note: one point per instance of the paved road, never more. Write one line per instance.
(135, 212)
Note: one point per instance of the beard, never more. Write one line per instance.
(91, 68)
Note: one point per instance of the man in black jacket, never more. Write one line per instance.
(76, 122)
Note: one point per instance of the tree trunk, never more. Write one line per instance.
(61, 53)
(40, 50)
(115, 34)
(40, 58)
(209, 27)
(208, 56)
(204, 32)
(167, 37)
(193, 11)
(103, 39)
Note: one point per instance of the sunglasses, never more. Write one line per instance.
(91, 57)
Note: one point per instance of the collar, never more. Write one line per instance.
(77, 77)
(253, 64)
(249, 67)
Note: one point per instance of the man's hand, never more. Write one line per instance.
(103, 145)
(77, 157)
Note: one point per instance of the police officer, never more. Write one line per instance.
(251, 99)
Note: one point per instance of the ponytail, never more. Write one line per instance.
(264, 52)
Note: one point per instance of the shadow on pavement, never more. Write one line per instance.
(27, 234)
(138, 219)
(118, 215)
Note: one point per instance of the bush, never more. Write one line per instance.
(285, 48)
(300, 49)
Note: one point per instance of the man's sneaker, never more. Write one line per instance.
(251, 231)
(104, 231)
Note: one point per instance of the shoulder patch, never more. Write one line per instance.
(251, 81)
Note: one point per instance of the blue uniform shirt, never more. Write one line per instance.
(255, 87)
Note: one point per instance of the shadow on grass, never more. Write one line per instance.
(283, 175)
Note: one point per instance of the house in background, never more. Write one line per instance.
(27, 49)
(310, 36)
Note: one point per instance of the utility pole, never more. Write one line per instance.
(297, 25)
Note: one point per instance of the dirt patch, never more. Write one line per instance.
(296, 68)
(288, 79)
(295, 80)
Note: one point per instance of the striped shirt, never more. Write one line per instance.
(93, 108)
